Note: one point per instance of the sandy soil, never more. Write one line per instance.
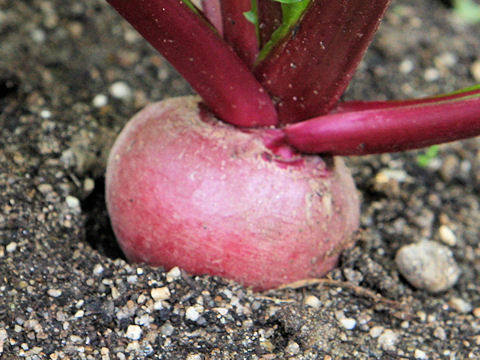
(71, 74)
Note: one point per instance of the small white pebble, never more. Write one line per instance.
(406, 66)
(11, 247)
(88, 185)
(475, 70)
(447, 235)
(476, 312)
(440, 333)
(98, 269)
(312, 301)
(193, 313)
(174, 274)
(115, 293)
(446, 59)
(79, 314)
(120, 90)
(162, 293)
(388, 340)
(54, 292)
(419, 354)
(167, 329)
(73, 203)
(194, 357)
(76, 339)
(134, 332)
(431, 74)
(460, 305)
(134, 346)
(132, 279)
(348, 323)
(38, 35)
(292, 348)
(99, 101)
(376, 331)
(46, 114)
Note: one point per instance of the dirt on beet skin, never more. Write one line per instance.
(72, 74)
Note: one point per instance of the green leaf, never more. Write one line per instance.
(288, 1)
(292, 11)
(191, 6)
(465, 90)
(252, 15)
(423, 160)
(468, 10)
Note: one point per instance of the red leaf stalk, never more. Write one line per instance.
(307, 73)
(387, 130)
(196, 50)
(211, 10)
(269, 19)
(238, 31)
(359, 105)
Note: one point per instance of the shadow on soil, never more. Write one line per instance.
(98, 231)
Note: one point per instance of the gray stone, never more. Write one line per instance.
(428, 265)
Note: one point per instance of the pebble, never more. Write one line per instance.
(162, 293)
(54, 292)
(98, 269)
(446, 60)
(193, 312)
(167, 329)
(440, 333)
(99, 101)
(460, 305)
(419, 354)
(431, 74)
(449, 168)
(447, 235)
(11, 247)
(73, 203)
(292, 348)
(194, 357)
(348, 323)
(428, 265)
(475, 70)
(476, 312)
(376, 331)
(174, 274)
(134, 332)
(388, 340)
(120, 90)
(312, 301)
(406, 66)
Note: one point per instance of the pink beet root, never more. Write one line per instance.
(184, 189)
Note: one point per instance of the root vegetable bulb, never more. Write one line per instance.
(184, 189)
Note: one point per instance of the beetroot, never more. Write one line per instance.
(188, 190)
(224, 185)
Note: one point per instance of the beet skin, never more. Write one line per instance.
(184, 189)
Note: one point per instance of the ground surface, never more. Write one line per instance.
(66, 292)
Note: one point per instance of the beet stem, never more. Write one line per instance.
(269, 19)
(211, 9)
(388, 129)
(310, 69)
(195, 49)
(238, 31)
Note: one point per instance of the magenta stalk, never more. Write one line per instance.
(323, 51)
(387, 130)
(195, 49)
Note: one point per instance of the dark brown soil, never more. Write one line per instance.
(67, 292)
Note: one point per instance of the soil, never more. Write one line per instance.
(72, 74)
